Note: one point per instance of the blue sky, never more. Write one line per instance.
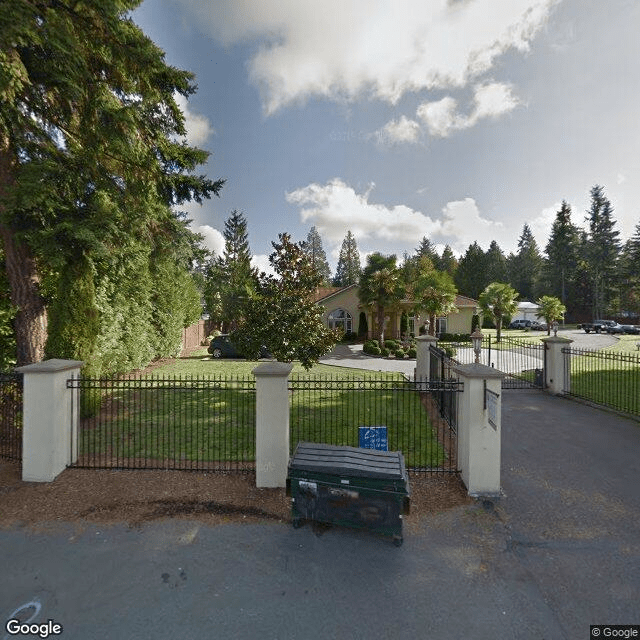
(460, 120)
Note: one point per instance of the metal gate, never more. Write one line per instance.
(11, 416)
(523, 361)
(407, 413)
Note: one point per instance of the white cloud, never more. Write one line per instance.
(262, 264)
(491, 100)
(198, 127)
(213, 239)
(339, 50)
(399, 131)
(335, 208)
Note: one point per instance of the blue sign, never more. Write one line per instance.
(373, 438)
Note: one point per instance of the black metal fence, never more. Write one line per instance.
(605, 378)
(11, 416)
(167, 423)
(522, 360)
(344, 411)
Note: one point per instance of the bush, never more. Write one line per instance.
(391, 344)
(449, 350)
(374, 351)
(370, 346)
(455, 337)
(399, 353)
(349, 337)
(412, 353)
(384, 352)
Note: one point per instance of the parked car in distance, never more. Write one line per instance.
(538, 326)
(630, 328)
(614, 328)
(598, 326)
(222, 347)
(520, 324)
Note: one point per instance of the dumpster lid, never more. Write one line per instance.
(348, 461)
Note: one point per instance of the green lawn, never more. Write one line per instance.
(197, 419)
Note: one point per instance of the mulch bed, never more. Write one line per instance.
(86, 496)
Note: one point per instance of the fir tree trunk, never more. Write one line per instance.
(31, 320)
(24, 280)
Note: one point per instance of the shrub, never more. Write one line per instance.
(391, 344)
(412, 353)
(349, 337)
(399, 353)
(449, 350)
(374, 351)
(384, 352)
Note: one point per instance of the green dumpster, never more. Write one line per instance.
(351, 487)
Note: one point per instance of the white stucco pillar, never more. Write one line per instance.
(557, 364)
(479, 428)
(423, 358)
(272, 423)
(50, 419)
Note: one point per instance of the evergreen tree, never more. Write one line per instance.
(470, 277)
(230, 279)
(562, 254)
(603, 250)
(496, 263)
(447, 262)
(630, 274)
(525, 267)
(313, 248)
(426, 249)
(348, 269)
(90, 156)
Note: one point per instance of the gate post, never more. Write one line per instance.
(272, 423)
(423, 357)
(50, 419)
(479, 428)
(556, 363)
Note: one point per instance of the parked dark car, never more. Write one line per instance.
(520, 324)
(538, 326)
(614, 328)
(630, 328)
(222, 347)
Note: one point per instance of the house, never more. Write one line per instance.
(527, 311)
(343, 310)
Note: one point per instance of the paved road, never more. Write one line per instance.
(352, 356)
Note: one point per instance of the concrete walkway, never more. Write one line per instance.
(559, 552)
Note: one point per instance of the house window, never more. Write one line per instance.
(340, 319)
(441, 325)
(412, 325)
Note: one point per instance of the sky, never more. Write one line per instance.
(458, 120)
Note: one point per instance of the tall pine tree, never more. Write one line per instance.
(348, 269)
(603, 250)
(525, 267)
(313, 248)
(91, 153)
(470, 277)
(231, 279)
(562, 255)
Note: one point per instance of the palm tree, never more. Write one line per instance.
(499, 300)
(435, 293)
(551, 308)
(380, 288)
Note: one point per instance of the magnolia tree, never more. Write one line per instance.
(282, 316)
